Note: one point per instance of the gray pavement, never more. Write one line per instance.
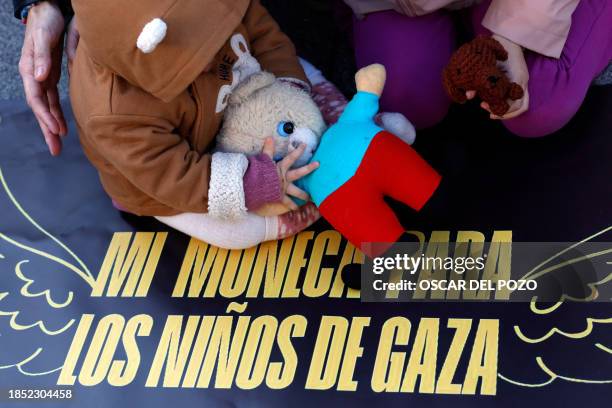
(11, 38)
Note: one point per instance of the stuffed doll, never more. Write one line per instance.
(360, 165)
(360, 162)
(474, 67)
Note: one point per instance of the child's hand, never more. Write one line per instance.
(287, 175)
(516, 69)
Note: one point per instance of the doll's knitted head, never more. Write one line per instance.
(263, 106)
(474, 67)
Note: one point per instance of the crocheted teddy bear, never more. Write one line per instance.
(474, 67)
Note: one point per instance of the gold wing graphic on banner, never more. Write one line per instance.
(34, 309)
(542, 334)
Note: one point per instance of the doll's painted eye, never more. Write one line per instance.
(285, 128)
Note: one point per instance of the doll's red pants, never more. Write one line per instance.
(357, 209)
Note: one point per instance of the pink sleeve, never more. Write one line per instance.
(261, 182)
(539, 25)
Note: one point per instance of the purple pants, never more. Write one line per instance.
(416, 49)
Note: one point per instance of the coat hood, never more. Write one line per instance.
(195, 31)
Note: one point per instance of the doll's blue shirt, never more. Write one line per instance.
(342, 147)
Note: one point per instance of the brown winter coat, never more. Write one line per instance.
(147, 121)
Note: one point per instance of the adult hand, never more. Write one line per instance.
(516, 69)
(72, 40)
(40, 69)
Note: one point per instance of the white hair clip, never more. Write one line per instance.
(152, 34)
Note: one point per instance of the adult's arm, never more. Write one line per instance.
(40, 69)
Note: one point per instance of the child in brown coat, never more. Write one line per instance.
(149, 86)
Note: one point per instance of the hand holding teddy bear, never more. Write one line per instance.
(474, 70)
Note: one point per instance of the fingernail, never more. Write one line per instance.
(39, 72)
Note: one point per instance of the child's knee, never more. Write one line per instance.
(557, 89)
(532, 125)
(542, 121)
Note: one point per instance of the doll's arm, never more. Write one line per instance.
(370, 82)
(371, 79)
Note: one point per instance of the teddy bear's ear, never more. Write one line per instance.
(252, 84)
(498, 50)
